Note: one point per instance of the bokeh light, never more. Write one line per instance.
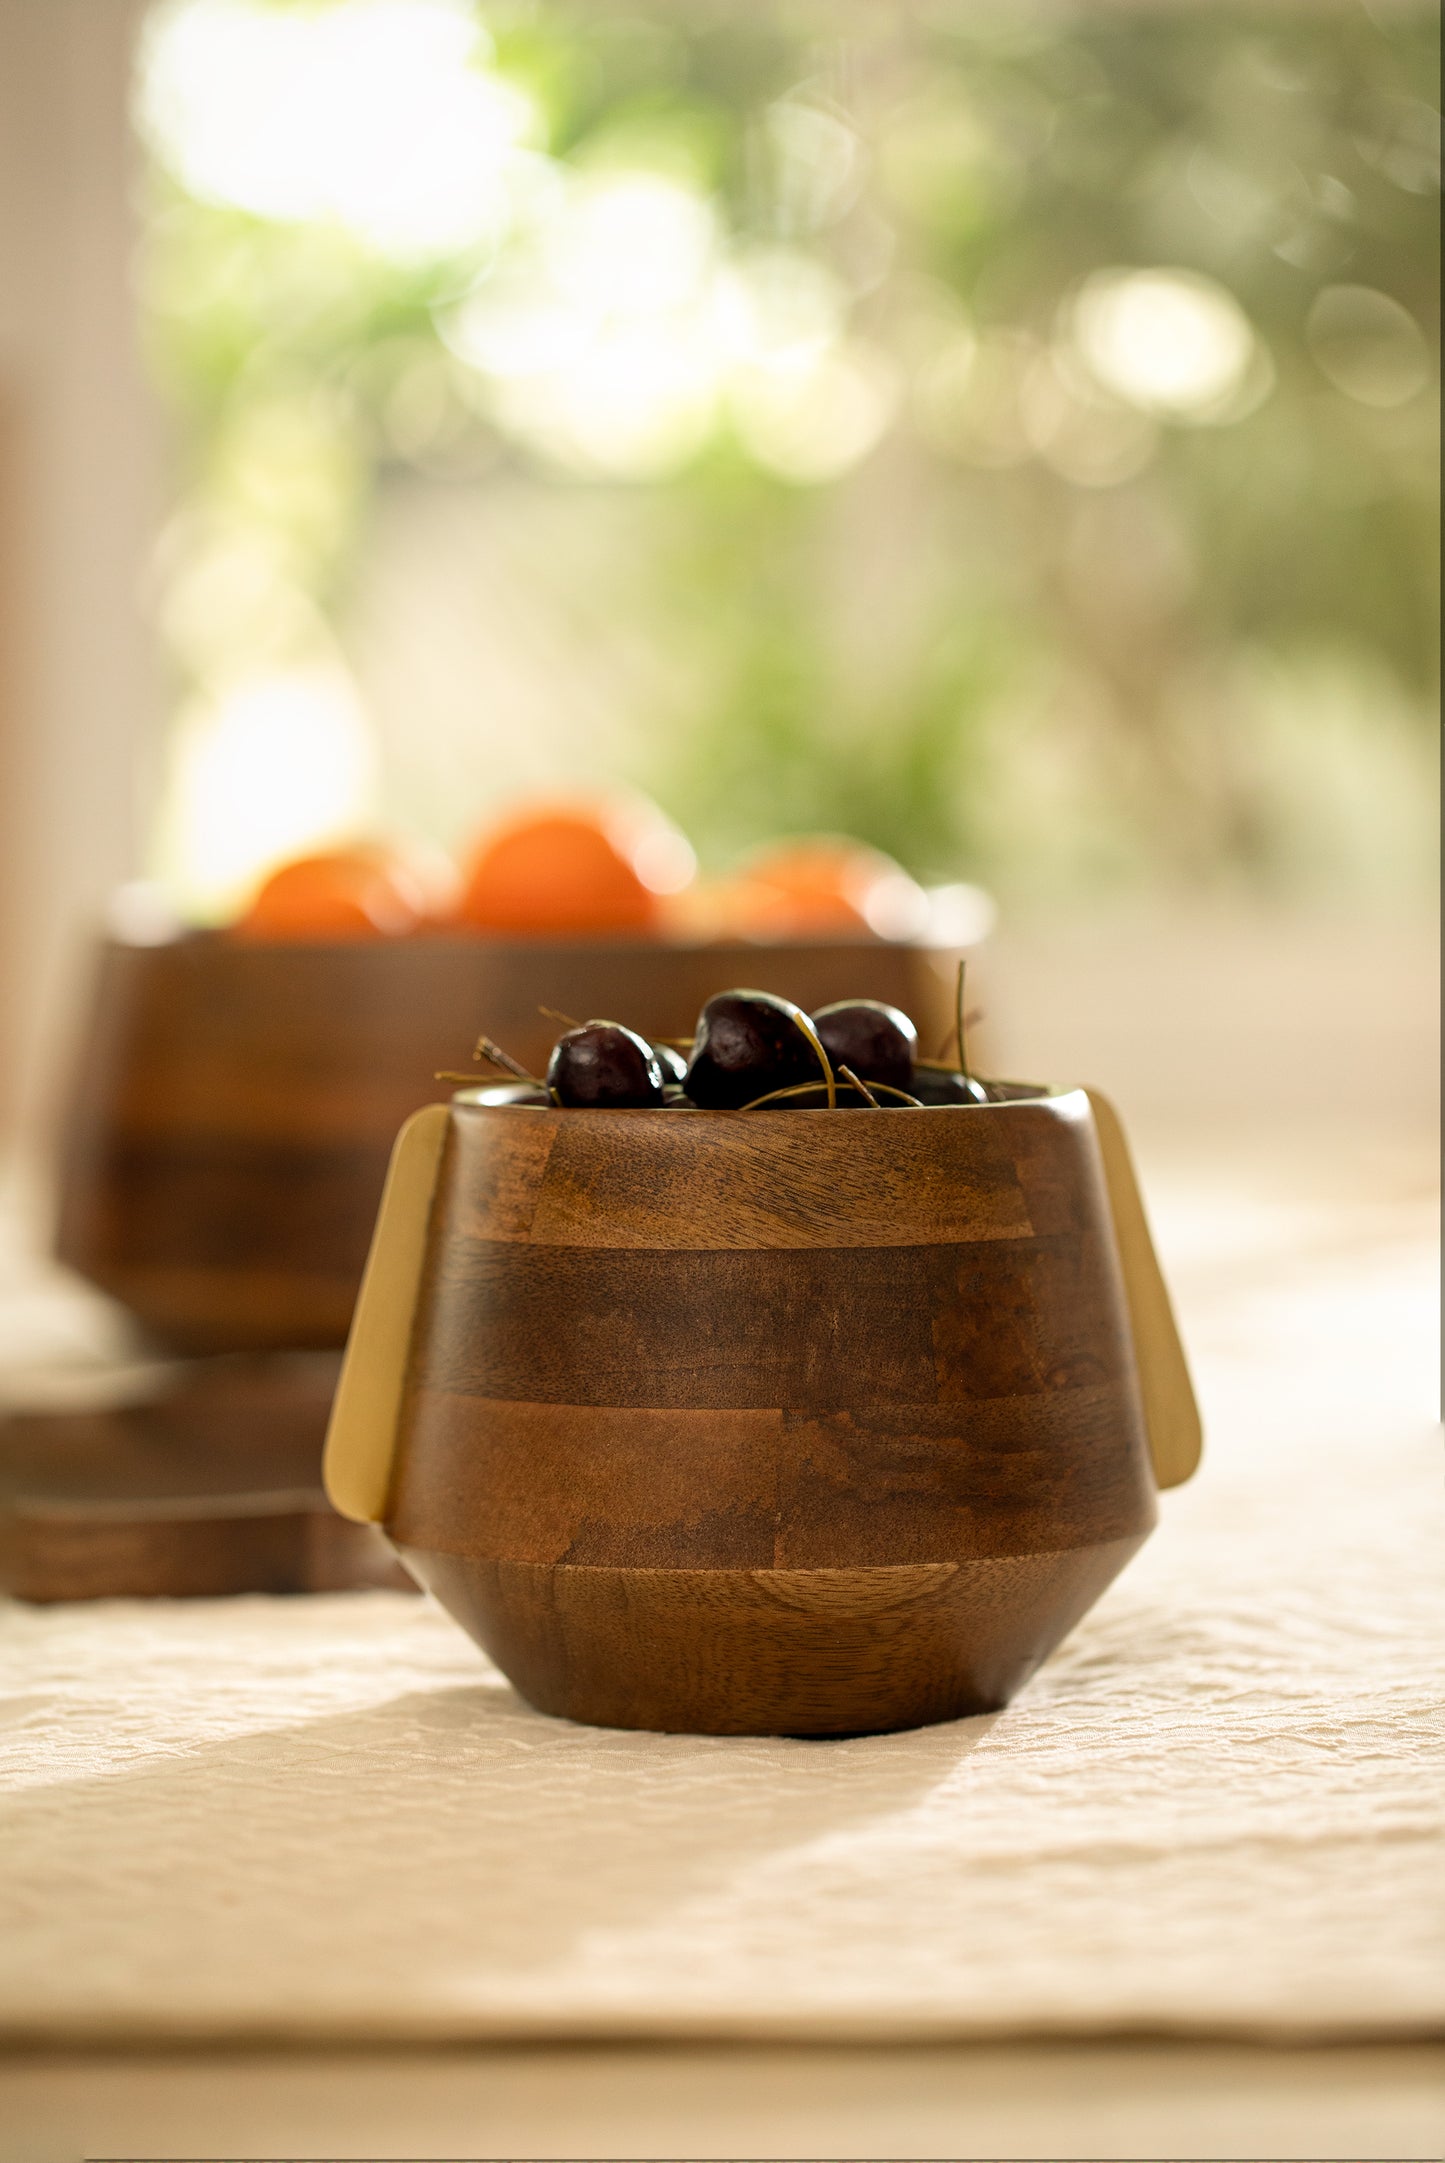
(1169, 341)
(1368, 346)
(277, 765)
(812, 421)
(599, 342)
(380, 114)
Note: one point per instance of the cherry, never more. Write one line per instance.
(936, 1085)
(747, 1044)
(932, 1085)
(674, 1066)
(603, 1066)
(878, 1042)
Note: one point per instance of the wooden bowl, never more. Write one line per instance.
(803, 1422)
(236, 1104)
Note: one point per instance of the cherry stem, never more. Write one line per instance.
(960, 1020)
(817, 1043)
(805, 1089)
(486, 1049)
(846, 1074)
(796, 1089)
(567, 1020)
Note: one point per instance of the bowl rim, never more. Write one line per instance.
(225, 937)
(509, 1096)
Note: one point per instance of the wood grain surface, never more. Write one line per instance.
(235, 1104)
(906, 1349)
(210, 1484)
(794, 1652)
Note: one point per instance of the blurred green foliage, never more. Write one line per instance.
(1037, 622)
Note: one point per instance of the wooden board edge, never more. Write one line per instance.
(361, 1436)
(1171, 1413)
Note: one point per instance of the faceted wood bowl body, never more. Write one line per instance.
(236, 1104)
(798, 1422)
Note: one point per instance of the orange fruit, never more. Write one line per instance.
(575, 868)
(340, 894)
(819, 886)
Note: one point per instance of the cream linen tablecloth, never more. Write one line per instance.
(1216, 1810)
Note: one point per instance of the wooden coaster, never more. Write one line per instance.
(211, 1484)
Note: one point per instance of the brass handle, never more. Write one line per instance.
(361, 1438)
(1171, 1415)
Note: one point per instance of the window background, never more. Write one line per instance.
(1007, 435)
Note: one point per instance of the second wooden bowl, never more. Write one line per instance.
(799, 1422)
(236, 1104)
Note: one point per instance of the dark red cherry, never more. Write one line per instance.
(932, 1086)
(876, 1041)
(748, 1043)
(605, 1067)
(958, 1085)
(670, 1059)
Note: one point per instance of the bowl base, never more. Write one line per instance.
(771, 1652)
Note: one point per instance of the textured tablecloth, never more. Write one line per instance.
(1217, 1809)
